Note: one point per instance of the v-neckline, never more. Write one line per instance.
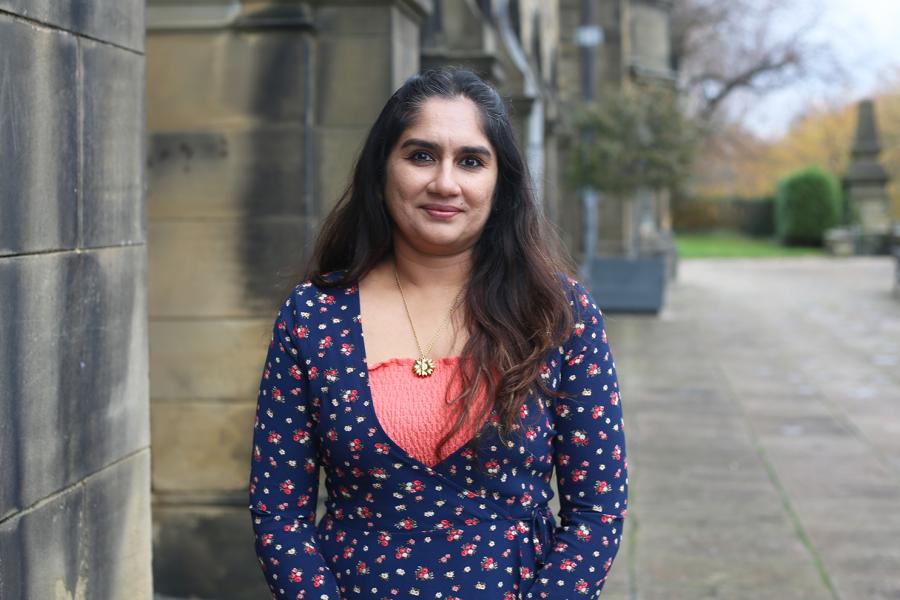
(370, 398)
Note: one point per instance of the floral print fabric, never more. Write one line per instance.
(395, 527)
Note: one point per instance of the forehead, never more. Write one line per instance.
(448, 121)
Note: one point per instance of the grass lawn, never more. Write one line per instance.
(727, 244)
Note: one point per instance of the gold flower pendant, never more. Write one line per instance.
(423, 367)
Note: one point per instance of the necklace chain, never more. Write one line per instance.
(424, 366)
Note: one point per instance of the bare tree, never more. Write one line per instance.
(725, 47)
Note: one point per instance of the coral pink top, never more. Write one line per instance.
(413, 410)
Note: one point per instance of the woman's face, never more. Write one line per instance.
(440, 179)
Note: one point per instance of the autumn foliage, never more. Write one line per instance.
(734, 163)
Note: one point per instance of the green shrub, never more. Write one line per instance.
(632, 139)
(807, 203)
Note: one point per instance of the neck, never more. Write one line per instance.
(428, 270)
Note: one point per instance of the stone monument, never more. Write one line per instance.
(867, 208)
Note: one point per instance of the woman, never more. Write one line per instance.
(482, 367)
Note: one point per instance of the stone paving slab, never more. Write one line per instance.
(762, 409)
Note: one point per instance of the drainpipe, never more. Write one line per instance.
(587, 37)
(534, 148)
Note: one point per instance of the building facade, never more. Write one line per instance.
(255, 111)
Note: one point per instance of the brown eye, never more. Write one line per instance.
(472, 162)
(420, 156)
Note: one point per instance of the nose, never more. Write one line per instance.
(443, 182)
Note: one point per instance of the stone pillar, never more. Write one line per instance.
(458, 33)
(865, 185)
(256, 111)
(74, 434)
(231, 206)
(514, 45)
(365, 50)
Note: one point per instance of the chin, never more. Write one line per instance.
(440, 245)
(445, 247)
(437, 235)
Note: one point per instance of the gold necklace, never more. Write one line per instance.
(424, 366)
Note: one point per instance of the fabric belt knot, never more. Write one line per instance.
(543, 525)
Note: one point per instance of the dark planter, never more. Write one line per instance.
(620, 284)
(896, 251)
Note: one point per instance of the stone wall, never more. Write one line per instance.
(256, 112)
(74, 435)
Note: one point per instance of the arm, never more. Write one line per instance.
(284, 472)
(591, 468)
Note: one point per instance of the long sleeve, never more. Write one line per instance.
(591, 467)
(284, 472)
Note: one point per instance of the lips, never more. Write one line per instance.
(441, 211)
(442, 208)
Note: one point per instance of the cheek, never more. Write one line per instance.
(393, 194)
(394, 207)
(401, 185)
(487, 197)
(485, 206)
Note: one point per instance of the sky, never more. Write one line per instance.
(864, 37)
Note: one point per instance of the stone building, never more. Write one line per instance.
(255, 111)
(74, 429)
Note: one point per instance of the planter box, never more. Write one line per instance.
(621, 284)
(896, 251)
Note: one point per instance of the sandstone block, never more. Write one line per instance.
(78, 401)
(201, 446)
(353, 79)
(116, 530)
(232, 174)
(39, 138)
(112, 188)
(90, 541)
(208, 359)
(42, 552)
(195, 549)
(120, 22)
(226, 78)
(223, 268)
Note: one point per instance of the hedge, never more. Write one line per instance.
(808, 202)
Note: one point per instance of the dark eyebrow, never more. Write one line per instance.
(434, 147)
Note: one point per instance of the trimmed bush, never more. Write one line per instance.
(807, 203)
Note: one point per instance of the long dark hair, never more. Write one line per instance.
(514, 306)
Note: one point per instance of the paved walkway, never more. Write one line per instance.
(762, 409)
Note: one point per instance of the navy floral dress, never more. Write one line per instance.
(396, 528)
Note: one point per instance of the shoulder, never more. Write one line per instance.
(582, 303)
(587, 317)
(309, 292)
(309, 303)
(316, 314)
